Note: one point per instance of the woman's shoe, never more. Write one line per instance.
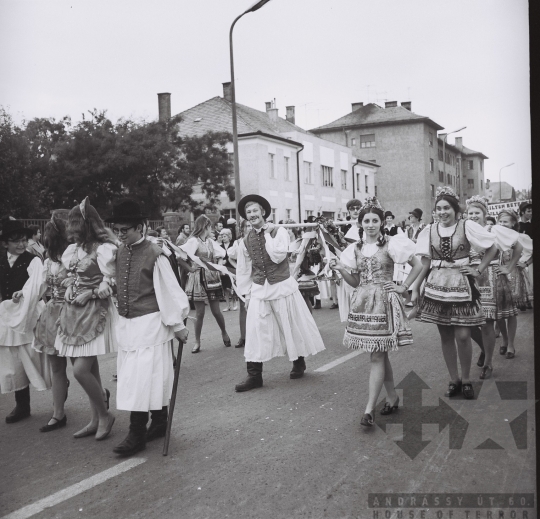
(389, 409)
(502, 350)
(367, 420)
(487, 371)
(468, 391)
(108, 395)
(196, 348)
(453, 389)
(510, 354)
(227, 343)
(235, 307)
(241, 343)
(226, 309)
(56, 425)
(481, 359)
(110, 424)
(85, 431)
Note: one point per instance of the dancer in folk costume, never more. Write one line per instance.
(152, 307)
(87, 317)
(518, 279)
(278, 320)
(495, 289)
(54, 274)
(450, 297)
(205, 284)
(377, 322)
(20, 278)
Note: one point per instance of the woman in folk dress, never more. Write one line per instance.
(203, 284)
(450, 297)
(377, 322)
(86, 323)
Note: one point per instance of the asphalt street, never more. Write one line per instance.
(292, 449)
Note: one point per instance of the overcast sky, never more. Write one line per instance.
(460, 62)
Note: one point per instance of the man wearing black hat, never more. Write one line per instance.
(278, 320)
(390, 228)
(20, 365)
(152, 308)
(415, 218)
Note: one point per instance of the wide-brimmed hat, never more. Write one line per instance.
(126, 211)
(387, 214)
(12, 227)
(265, 204)
(417, 213)
(524, 206)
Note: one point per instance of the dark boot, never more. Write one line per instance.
(135, 441)
(299, 366)
(22, 407)
(317, 304)
(254, 379)
(158, 427)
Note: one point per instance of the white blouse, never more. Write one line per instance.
(400, 249)
(106, 258)
(527, 244)
(193, 243)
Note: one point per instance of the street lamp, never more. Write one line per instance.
(500, 184)
(257, 5)
(444, 154)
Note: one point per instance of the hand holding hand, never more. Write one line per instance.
(469, 271)
(182, 335)
(104, 290)
(82, 298)
(17, 296)
(502, 270)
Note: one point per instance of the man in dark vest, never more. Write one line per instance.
(19, 364)
(278, 320)
(152, 307)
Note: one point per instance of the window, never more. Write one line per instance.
(230, 157)
(367, 141)
(288, 213)
(308, 176)
(287, 173)
(375, 190)
(228, 213)
(470, 164)
(274, 217)
(481, 183)
(353, 142)
(328, 214)
(449, 179)
(366, 183)
(441, 176)
(431, 169)
(308, 214)
(357, 181)
(431, 138)
(470, 183)
(440, 154)
(272, 165)
(432, 191)
(327, 174)
(343, 179)
(481, 166)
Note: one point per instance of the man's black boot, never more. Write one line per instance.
(317, 304)
(135, 441)
(299, 366)
(158, 427)
(22, 407)
(254, 379)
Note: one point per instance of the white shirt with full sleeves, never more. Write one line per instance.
(277, 248)
(193, 244)
(106, 258)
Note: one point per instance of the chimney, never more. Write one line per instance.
(458, 142)
(290, 114)
(273, 114)
(356, 106)
(487, 183)
(441, 136)
(227, 91)
(164, 106)
(406, 105)
(268, 105)
(390, 104)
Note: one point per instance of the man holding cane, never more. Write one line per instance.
(152, 308)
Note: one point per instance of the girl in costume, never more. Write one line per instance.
(226, 243)
(450, 297)
(518, 279)
(377, 322)
(203, 284)
(54, 274)
(87, 317)
(495, 291)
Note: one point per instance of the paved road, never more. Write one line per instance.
(291, 449)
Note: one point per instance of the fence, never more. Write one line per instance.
(41, 222)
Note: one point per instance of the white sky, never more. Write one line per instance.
(460, 62)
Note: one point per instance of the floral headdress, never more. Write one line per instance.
(371, 201)
(445, 190)
(479, 199)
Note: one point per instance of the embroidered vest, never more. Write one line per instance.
(449, 248)
(262, 265)
(378, 268)
(135, 279)
(13, 278)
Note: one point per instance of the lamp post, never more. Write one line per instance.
(257, 5)
(500, 184)
(444, 154)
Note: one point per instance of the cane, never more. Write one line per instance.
(173, 396)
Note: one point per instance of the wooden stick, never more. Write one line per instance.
(173, 397)
(289, 225)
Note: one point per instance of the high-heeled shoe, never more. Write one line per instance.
(486, 373)
(196, 348)
(367, 420)
(502, 350)
(110, 424)
(56, 425)
(108, 394)
(227, 342)
(240, 344)
(389, 409)
(85, 431)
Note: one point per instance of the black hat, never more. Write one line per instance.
(417, 212)
(126, 211)
(387, 214)
(310, 219)
(12, 227)
(265, 204)
(524, 206)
